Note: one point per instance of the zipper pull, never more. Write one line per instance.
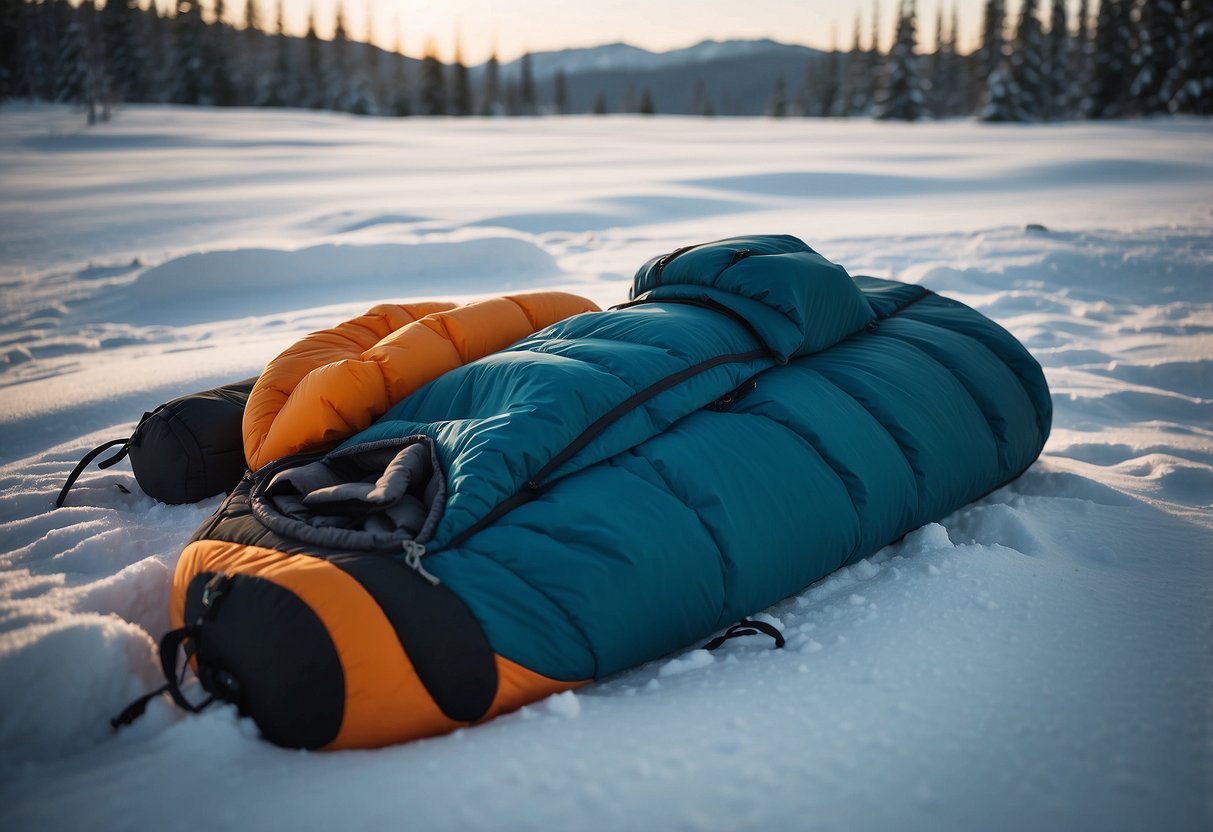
(738, 256)
(733, 396)
(413, 551)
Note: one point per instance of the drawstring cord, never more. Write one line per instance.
(747, 627)
(89, 457)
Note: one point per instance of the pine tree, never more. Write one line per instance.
(1192, 78)
(1160, 38)
(433, 83)
(901, 95)
(701, 105)
(1055, 64)
(312, 76)
(777, 104)
(875, 68)
(527, 103)
(461, 85)
(560, 93)
(1110, 64)
(190, 71)
(82, 74)
(400, 102)
(157, 34)
(647, 107)
(125, 49)
(1027, 59)
(10, 40)
(277, 88)
(831, 78)
(250, 64)
(600, 105)
(993, 44)
(338, 88)
(73, 84)
(490, 98)
(1002, 97)
(216, 52)
(1079, 63)
(361, 72)
(48, 21)
(939, 71)
(850, 94)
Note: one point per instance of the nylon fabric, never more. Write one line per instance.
(338, 381)
(894, 408)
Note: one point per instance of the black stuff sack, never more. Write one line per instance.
(185, 450)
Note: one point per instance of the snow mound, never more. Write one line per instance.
(211, 285)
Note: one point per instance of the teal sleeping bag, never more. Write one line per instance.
(625, 483)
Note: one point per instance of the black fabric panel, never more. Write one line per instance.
(192, 447)
(290, 677)
(444, 641)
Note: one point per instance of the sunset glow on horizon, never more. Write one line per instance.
(483, 27)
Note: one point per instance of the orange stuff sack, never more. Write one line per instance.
(336, 382)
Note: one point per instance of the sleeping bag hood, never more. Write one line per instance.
(613, 487)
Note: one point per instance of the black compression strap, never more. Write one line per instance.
(169, 645)
(168, 663)
(89, 457)
(747, 627)
(135, 710)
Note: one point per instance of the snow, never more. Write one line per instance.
(1039, 659)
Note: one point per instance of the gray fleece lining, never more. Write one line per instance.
(370, 496)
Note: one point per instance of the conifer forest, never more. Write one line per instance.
(1050, 61)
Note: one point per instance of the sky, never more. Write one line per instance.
(513, 27)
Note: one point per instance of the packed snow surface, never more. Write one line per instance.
(1040, 659)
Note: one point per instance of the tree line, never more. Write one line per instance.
(1122, 58)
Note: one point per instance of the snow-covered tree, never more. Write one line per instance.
(1002, 97)
(993, 42)
(217, 52)
(777, 104)
(830, 82)
(560, 93)
(278, 87)
(400, 103)
(1055, 67)
(311, 76)
(1079, 63)
(73, 84)
(647, 106)
(942, 72)
(490, 95)
(190, 47)
(1027, 60)
(82, 73)
(125, 49)
(10, 39)
(852, 93)
(527, 104)
(1159, 39)
(433, 83)
(701, 103)
(461, 84)
(901, 92)
(1110, 66)
(1192, 78)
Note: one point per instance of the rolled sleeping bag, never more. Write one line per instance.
(185, 450)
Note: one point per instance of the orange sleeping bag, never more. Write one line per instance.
(336, 382)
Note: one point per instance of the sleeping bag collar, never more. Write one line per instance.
(795, 300)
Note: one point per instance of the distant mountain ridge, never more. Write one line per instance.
(625, 57)
(733, 77)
